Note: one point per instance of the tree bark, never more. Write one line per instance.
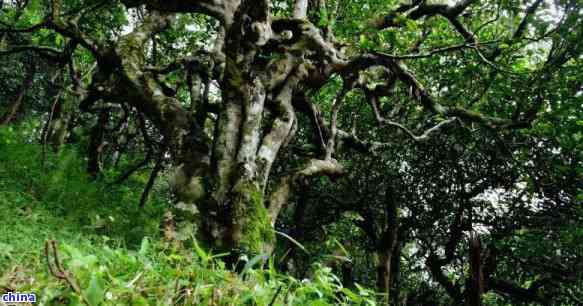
(231, 192)
(396, 273)
(300, 9)
(58, 127)
(96, 144)
(384, 273)
(387, 245)
(476, 281)
(261, 64)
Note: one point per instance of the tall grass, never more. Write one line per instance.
(111, 250)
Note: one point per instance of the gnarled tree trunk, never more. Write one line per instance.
(261, 64)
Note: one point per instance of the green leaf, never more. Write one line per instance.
(6, 250)
(139, 301)
(202, 255)
(363, 41)
(145, 246)
(293, 241)
(323, 21)
(255, 260)
(351, 295)
(95, 292)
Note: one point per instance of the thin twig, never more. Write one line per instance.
(48, 129)
(57, 270)
(276, 295)
(437, 50)
(157, 168)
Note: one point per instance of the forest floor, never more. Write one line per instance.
(110, 252)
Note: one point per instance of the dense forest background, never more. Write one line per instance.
(279, 152)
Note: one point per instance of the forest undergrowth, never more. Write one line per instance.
(72, 240)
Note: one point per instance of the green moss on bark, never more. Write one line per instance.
(252, 220)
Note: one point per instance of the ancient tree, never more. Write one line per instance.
(265, 64)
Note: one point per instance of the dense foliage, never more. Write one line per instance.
(307, 152)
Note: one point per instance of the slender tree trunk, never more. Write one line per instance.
(387, 245)
(19, 98)
(384, 258)
(347, 275)
(396, 274)
(10, 115)
(30, 69)
(297, 232)
(476, 281)
(96, 144)
(58, 128)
